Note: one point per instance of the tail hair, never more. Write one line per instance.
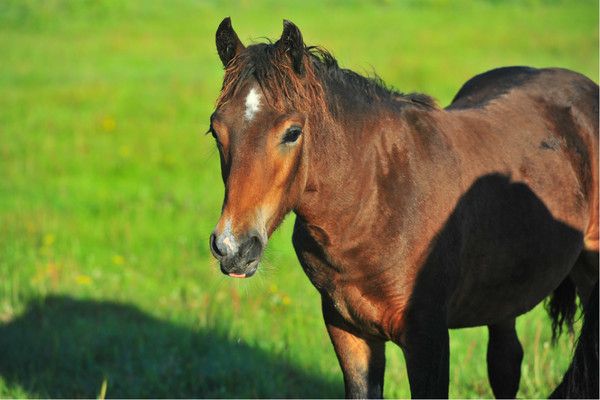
(562, 307)
(581, 379)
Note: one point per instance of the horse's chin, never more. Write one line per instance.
(245, 272)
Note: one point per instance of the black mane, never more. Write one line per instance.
(368, 88)
(322, 82)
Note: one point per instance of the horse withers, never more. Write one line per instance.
(412, 219)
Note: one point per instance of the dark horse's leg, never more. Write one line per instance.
(362, 358)
(504, 356)
(427, 354)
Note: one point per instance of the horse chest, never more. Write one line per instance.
(373, 305)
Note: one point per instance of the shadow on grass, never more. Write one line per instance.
(62, 347)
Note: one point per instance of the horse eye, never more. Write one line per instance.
(292, 134)
(214, 135)
(212, 132)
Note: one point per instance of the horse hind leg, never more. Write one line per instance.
(504, 357)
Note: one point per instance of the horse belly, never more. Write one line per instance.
(512, 253)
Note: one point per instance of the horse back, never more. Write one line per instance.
(480, 90)
(565, 100)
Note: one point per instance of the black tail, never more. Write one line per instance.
(581, 379)
(562, 308)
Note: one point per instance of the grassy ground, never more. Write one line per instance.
(109, 190)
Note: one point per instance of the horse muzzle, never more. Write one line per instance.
(239, 257)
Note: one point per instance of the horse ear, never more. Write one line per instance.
(228, 43)
(291, 43)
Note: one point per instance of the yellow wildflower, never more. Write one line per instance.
(83, 279)
(118, 259)
(108, 124)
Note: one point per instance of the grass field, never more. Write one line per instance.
(109, 190)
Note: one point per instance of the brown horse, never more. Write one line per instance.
(412, 219)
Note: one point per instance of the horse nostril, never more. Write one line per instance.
(252, 248)
(214, 247)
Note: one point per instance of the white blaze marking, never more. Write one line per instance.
(252, 104)
(227, 242)
(228, 238)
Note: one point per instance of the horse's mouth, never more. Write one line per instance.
(246, 272)
(241, 276)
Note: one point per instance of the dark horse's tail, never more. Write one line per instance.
(581, 379)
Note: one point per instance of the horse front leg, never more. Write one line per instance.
(361, 358)
(426, 348)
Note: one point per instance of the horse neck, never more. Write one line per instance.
(343, 161)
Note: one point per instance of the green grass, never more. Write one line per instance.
(109, 190)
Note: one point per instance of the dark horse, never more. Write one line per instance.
(412, 219)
